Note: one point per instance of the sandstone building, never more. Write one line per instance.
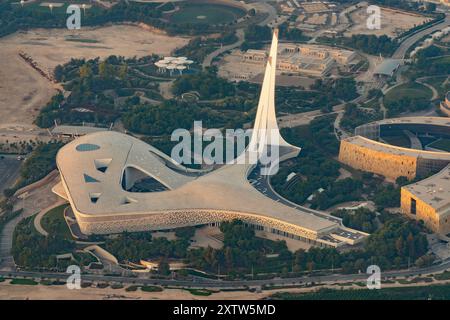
(429, 200)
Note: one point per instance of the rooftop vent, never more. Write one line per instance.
(102, 164)
(94, 196)
(89, 179)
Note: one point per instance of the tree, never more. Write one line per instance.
(85, 71)
(163, 267)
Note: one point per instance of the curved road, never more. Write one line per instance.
(410, 41)
(210, 57)
(259, 6)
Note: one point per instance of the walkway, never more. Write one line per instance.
(415, 142)
(35, 200)
(433, 89)
(38, 218)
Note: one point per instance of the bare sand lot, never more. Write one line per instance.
(393, 22)
(23, 91)
(40, 292)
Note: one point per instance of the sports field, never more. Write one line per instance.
(206, 13)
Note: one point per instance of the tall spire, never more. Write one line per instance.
(265, 130)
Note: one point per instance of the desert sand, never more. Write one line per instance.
(393, 22)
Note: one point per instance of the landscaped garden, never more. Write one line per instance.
(54, 223)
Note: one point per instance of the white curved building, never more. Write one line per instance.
(98, 172)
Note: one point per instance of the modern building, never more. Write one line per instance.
(311, 60)
(387, 68)
(429, 200)
(102, 174)
(364, 152)
(445, 105)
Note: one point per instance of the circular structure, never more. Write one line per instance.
(427, 200)
(87, 147)
(366, 150)
(210, 13)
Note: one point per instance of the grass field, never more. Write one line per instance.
(53, 222)
(27, 282)
(438, 83)
(433, 292)
(151, 289)
(410, 90)
(441, 144)
(206, 13)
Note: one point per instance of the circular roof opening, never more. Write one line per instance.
(87, 147)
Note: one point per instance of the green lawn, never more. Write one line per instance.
(53, 222)
(206, 13)
(200, 292)
(443, 276)
(410, 90)
(442, 144)
(437, 82)
(27, 282)
(151, 289)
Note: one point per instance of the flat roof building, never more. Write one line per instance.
(429, 200)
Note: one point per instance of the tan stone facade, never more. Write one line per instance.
(425, 212)
(364, 158)
(445, 105)
(429, 200)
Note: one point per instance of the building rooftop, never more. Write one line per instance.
(387, 67)
(387, 148)
(440, 121)
(434, 190)
(223, 189)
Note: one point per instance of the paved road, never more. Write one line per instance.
(208, 283)
(36, 200)
(408, 42)
(262, 184)
(210, 57)
(260, 6)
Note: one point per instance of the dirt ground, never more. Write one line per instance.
(393, 22)
(23, 91)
